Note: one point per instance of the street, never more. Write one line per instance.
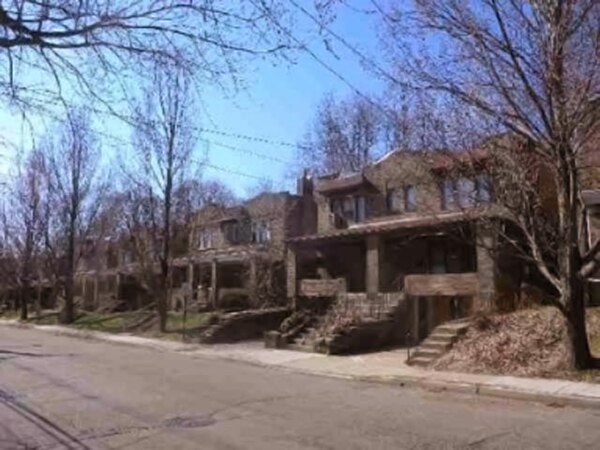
(59, 392)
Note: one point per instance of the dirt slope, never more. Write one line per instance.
(530, 342)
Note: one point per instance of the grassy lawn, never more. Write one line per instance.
(193, 320)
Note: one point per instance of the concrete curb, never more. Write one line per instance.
(424, 381)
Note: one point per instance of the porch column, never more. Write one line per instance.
(117, 286)
(190, 280)
(415, 327)
(486, 268)
(291, 275)
(96, 302)
(214, 295)
(372, 264)
(252, 278)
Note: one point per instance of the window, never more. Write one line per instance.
(465, 189)
(336, 206)
(261, 232)
(361, 209)
(206, 238)
(448, 189)
(484, 189)
(232, 232)
(351, 208)
(402, 200)
(410, 198)
(394, 200)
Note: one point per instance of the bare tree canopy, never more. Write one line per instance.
(24, 223)
(532, 68)
(345, 135)
(159, 171)
(76, 194)
(51, 49)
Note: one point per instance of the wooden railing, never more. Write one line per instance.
(448, 284)
(321, 288)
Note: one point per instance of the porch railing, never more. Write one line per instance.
(321, 288)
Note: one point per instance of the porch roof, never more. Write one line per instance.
(392, 224)
(591, 197)
(329, 186)
(239, 253)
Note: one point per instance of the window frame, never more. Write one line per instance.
(410, 198)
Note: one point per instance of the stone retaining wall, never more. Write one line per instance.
(243, 325)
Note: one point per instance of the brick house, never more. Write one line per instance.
(227, 254)
(235, 250)
(406, 227)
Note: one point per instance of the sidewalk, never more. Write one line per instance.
(381, 367)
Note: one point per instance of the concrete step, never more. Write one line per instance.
(420, 361)
(428, 353)
(441, 338)
(436, 346)
(452, 328)
(443, 334)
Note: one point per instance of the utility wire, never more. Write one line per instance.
(228, 170)
(364, 58)
(247, 152)
(327, 66)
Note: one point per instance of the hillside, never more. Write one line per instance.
(530, 343)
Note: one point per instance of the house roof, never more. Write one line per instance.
(591, 197)
(392, 224)
(341, 184)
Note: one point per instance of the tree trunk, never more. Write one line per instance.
(67, 315)
(162, 310)
(24, 301)
(580, 357)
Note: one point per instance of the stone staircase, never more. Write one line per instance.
(441, 339)
(352, 309)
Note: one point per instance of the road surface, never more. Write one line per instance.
(59, 392)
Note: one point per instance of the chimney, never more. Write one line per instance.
(305, 185)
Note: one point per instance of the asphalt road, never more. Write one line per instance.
(66, 393)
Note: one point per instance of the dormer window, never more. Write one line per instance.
(410, 198)
(261, 232)
(206, 238)
(352, 208)
(465, 192)
(484, 189)
(402, 199)
(232, 232)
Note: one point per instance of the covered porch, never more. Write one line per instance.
(217, 278)
(443, 270)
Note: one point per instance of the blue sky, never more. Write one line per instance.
(277, 104)
(280, 103)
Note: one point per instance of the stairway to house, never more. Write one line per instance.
(441, 339)
(343, 310)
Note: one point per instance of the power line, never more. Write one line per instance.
(246, 137)
(248, 152)
(234, 172)
(328, 67)
(122, 141)
(365, 59)
(202, 163)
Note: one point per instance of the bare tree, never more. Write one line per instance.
(76, 196)
(93, 47)
(160, 169)
(23, 222)
(532, 68)
(344, 135)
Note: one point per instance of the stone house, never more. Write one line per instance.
(411, 230)
(240, 251)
